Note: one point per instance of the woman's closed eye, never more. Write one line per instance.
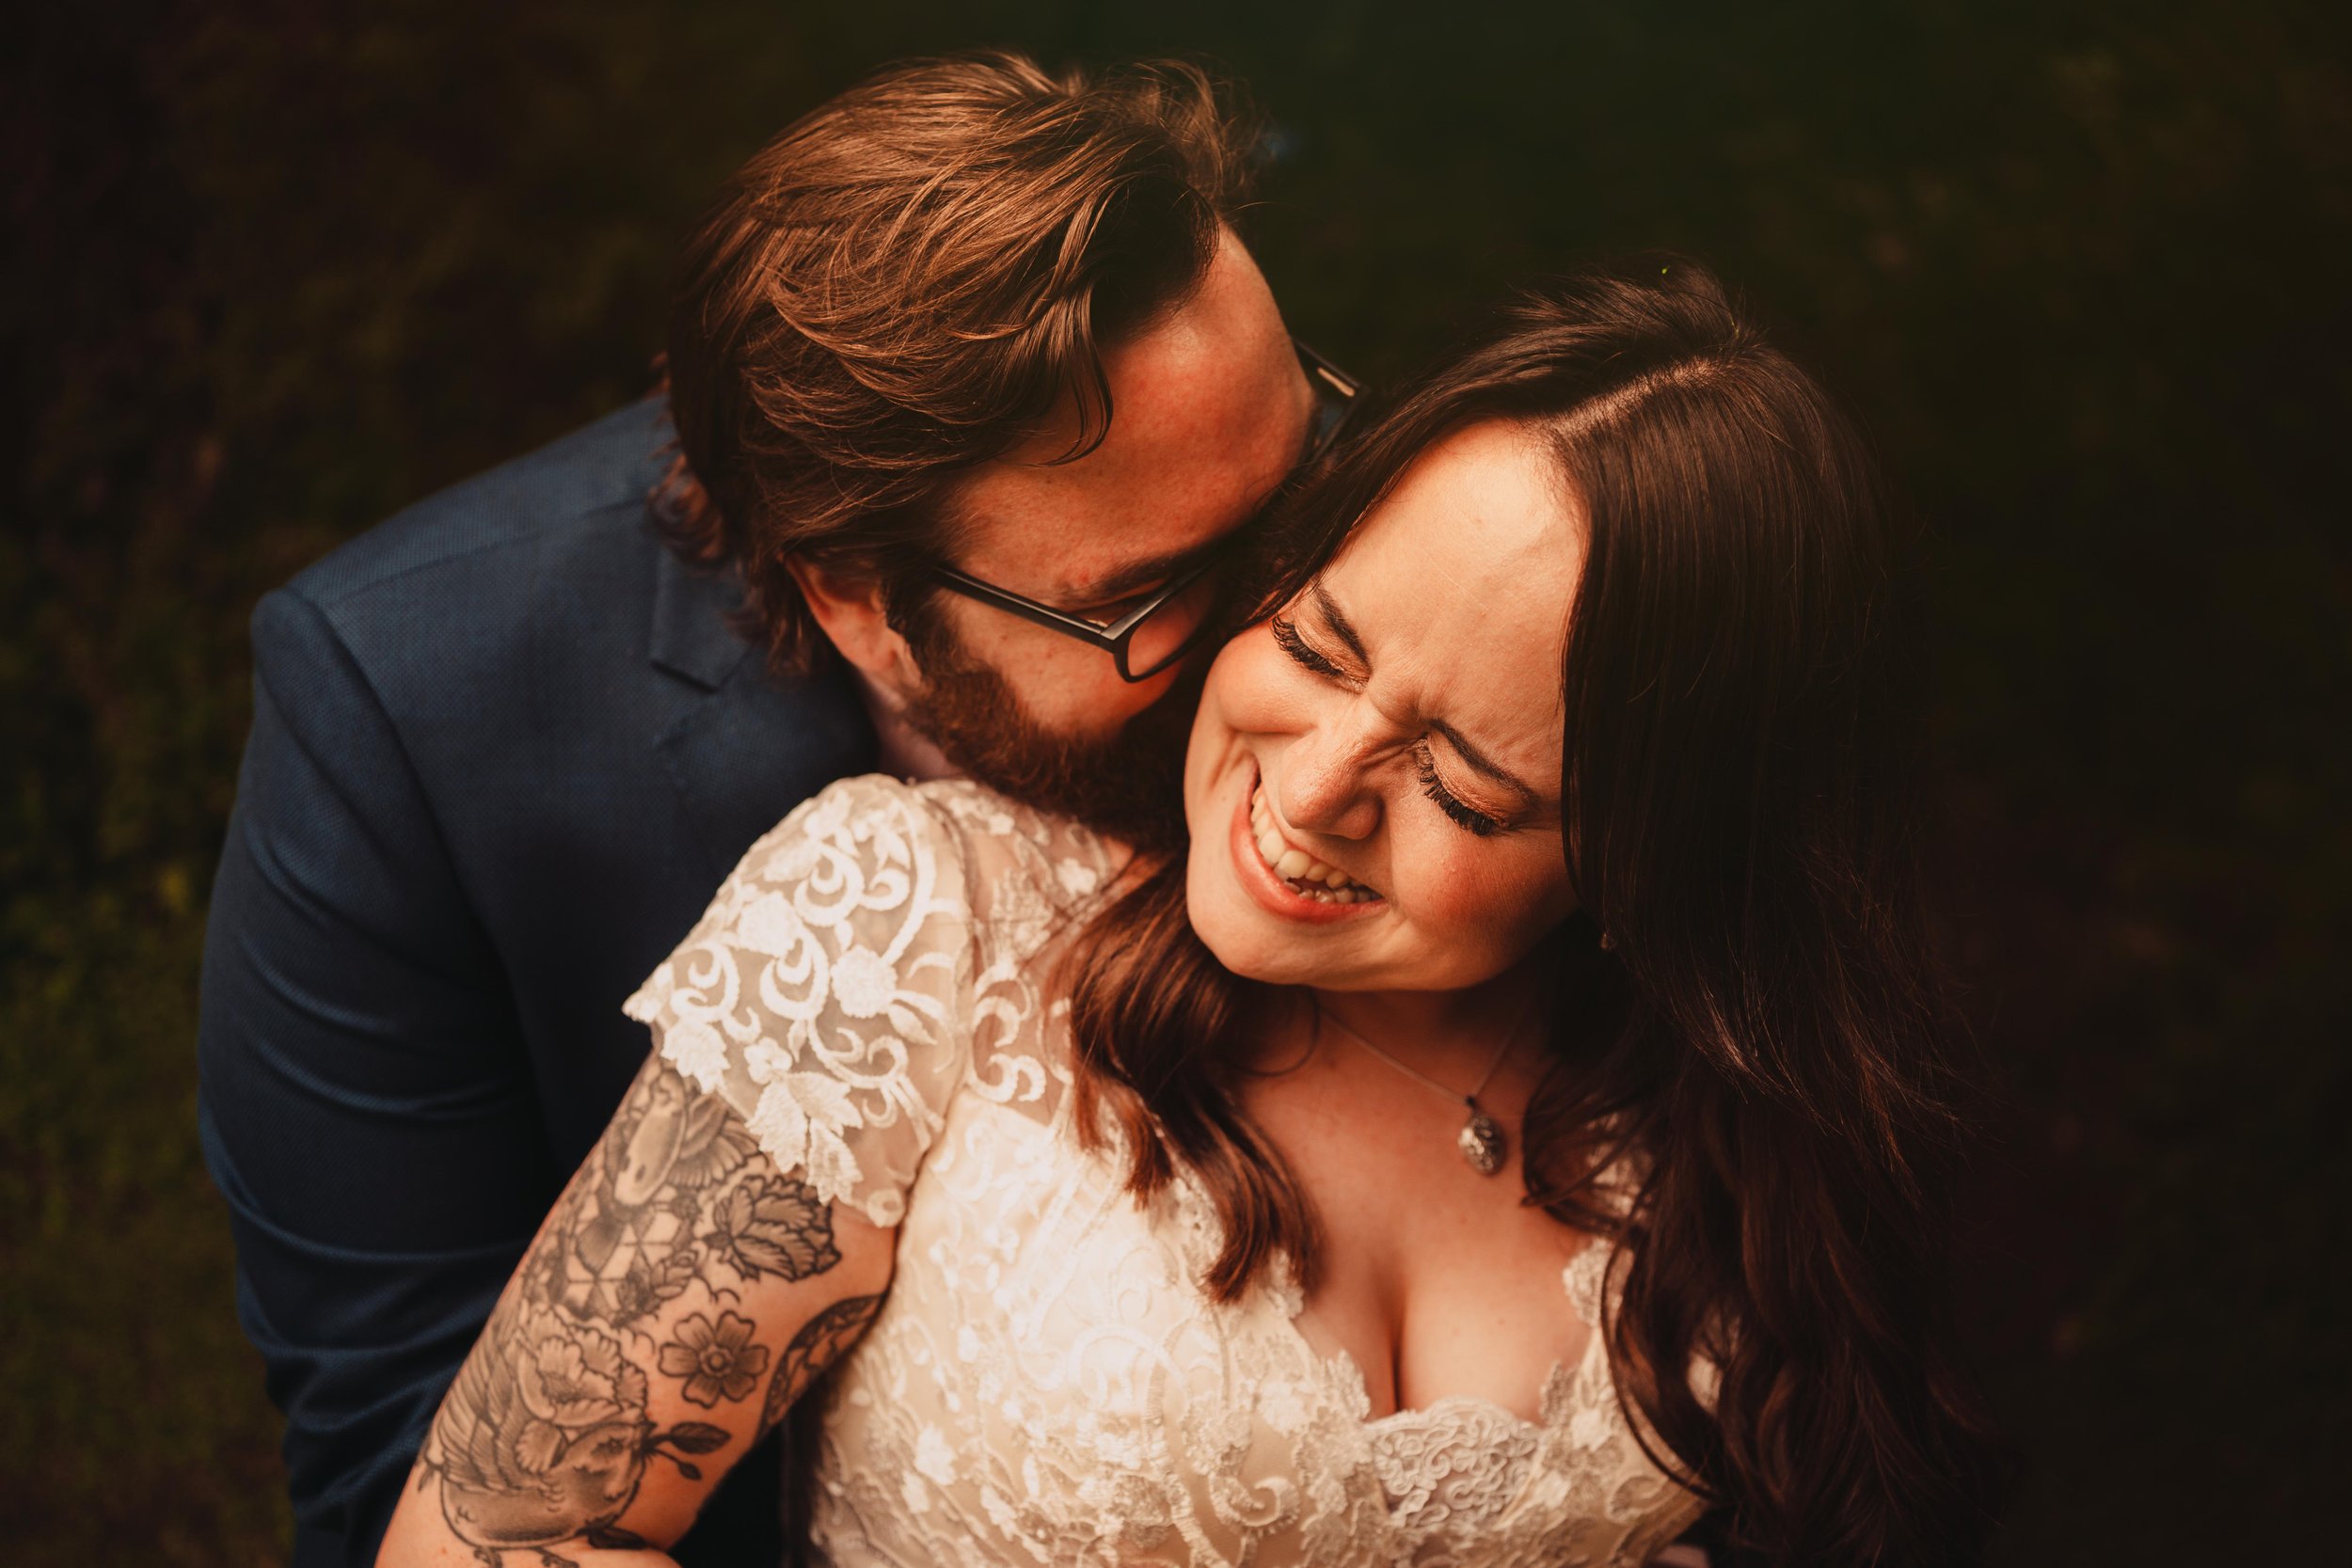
(1287, 639)
(1463, 814)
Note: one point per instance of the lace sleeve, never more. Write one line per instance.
(824, 994)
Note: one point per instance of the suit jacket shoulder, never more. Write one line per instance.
(506, 747)
(615, 460)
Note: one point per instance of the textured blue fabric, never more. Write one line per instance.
(505, 749)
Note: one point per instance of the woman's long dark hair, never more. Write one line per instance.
(1767, 1029)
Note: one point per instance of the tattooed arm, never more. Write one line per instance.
(682, 1295)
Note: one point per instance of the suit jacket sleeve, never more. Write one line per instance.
(366, 1104)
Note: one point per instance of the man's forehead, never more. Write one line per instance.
(1079, 526)
(1048, 544)
(1208, 410)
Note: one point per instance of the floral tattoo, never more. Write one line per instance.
(716, 1360)
(546, 1436)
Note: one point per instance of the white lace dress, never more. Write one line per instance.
(1046, 1384)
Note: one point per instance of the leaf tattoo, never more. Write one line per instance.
(816, 1347)
(773, 1225)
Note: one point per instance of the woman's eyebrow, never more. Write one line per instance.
(1341, 628)
(1478, 760)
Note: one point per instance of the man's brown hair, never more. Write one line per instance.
(903, 284)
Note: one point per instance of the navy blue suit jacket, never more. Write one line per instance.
(504, 750)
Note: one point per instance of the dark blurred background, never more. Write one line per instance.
(275, 270)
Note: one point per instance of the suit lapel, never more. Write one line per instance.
(744, 747)
(690, 636)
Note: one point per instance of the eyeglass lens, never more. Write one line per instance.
(1164, 635)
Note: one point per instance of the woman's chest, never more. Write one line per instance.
(1047, 1372)
(1433, 1275)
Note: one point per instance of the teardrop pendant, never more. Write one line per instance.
(1480, 1141)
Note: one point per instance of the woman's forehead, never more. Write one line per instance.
(1482, 525)
(1488, 499)
(1459, 582)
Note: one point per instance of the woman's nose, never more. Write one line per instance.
(1326, 785)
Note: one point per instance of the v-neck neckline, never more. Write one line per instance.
(1339, 1364)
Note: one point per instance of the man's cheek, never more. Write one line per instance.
(1068, 690)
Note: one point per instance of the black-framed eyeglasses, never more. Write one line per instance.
(1156, 628)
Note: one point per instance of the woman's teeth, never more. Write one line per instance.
(1305, 874)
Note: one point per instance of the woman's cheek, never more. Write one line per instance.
(1235, 666)
(1226, 706)
(1483, 896)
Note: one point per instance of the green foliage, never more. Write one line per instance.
(282, 270)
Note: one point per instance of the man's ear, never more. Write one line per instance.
(850, 611)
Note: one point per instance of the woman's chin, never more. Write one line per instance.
(1257, 960)
(1242, 937)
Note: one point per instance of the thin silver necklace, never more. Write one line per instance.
(1481, 1138)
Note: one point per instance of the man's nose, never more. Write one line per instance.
(1326, 784)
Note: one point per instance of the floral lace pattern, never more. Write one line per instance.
(1046, 1384)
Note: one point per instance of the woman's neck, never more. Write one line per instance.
(1452, 1036)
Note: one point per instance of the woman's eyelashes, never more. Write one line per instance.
(1287, 639)
(1464, 815)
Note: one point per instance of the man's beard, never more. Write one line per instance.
(1129, 785)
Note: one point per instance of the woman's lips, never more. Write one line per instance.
(1269, 890)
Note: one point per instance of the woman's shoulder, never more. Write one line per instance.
(950, 857)
(859, 880)
(965, 820)
(1031, 875)
(1004, 842)
(826, 993)
(868, 815)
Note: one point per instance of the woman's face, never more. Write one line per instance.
(1374, 784)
